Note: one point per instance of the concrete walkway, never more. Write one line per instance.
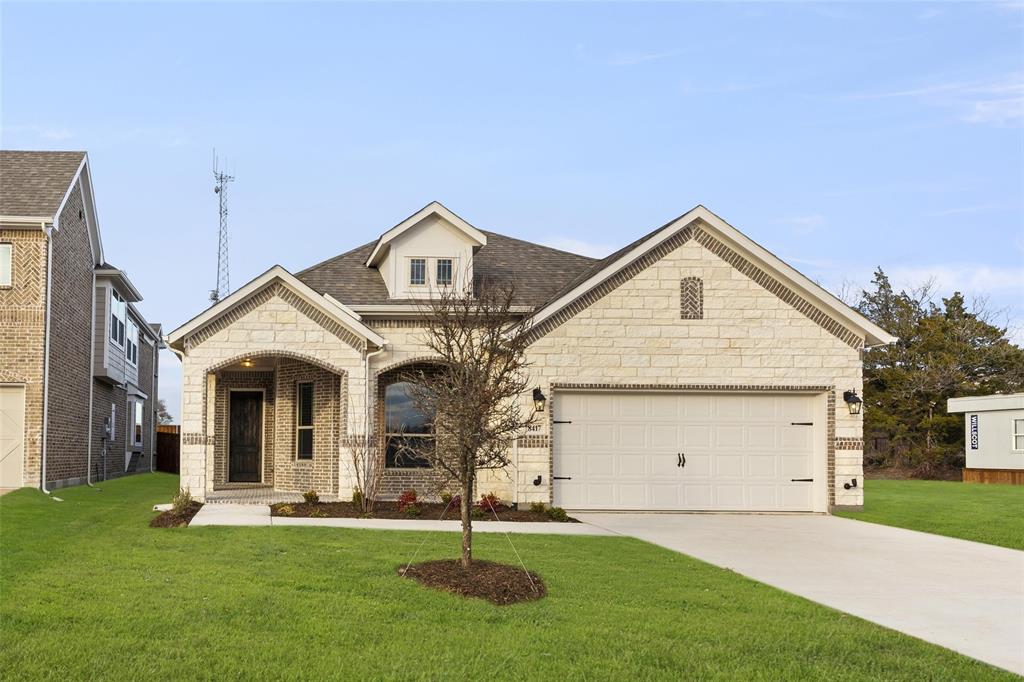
(962, 595)
(259, 515)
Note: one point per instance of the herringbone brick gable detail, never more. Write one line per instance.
(691, 298)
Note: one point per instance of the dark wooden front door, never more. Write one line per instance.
(246, 436)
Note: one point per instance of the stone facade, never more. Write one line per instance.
(696, 316)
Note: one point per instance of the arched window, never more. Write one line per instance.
(406, 428)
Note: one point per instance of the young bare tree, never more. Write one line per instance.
(367, 462)
(474, 397)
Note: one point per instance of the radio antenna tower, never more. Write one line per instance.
(220, 188)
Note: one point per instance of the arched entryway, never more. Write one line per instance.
(278, 419)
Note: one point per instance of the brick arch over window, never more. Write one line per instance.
(277, 354)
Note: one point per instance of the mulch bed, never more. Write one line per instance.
(429, 511)
(169, 519)
(499, 584)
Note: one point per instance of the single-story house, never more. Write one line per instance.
(690, 370)
(993, 437)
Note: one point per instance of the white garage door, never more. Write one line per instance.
(687, 451)
(12, 435)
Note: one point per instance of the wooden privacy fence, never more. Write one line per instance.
(1008, 476)
(168, 448)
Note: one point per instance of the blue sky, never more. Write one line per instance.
(842, 137)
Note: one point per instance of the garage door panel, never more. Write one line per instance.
(622, 451)
(696, 436)
(598, 435)
(632, 436)
(664, 436)
(728, 436)
(762, 466)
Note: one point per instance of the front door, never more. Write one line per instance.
(245, 436)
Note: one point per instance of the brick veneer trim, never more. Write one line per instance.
(696, 231)
(263, 296)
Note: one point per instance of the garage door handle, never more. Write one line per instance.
(681, 460)
(562, 478)
(801, 480)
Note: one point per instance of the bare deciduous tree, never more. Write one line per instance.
(367, 462)
(474, 397)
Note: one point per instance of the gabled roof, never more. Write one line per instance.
(604, 269)
(34, 186)
(340, 313)
(433, 208)
(34, 183)
(537, 272)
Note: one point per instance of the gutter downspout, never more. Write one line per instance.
(46, 356)
(153, 412)
(366, 406)
(92, 382)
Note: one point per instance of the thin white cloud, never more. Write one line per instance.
(968, 278)
(41, 132)
(978, 208)
(993, 101)
(583, 248)
(804, 224)
(634, 58)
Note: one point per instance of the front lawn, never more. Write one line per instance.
(90, 591)
(972, 511)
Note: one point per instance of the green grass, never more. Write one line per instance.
(89, 591)
(972, 511)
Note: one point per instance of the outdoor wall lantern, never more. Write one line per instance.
(540, 401)
(853, 401)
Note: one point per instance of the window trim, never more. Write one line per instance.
(135, 423)
(451, 271)
(298, 418)
(118, 317)
(388, 435)
(413, 261)
(9, 248)
(1014, 434)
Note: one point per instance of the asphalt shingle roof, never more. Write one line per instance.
(33, 183)
(536, 271)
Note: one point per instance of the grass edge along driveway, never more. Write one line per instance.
(90, 591)
(993, 514)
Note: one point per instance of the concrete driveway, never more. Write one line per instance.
(963, 595)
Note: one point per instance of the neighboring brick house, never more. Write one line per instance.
(78, 362)
(690, 370)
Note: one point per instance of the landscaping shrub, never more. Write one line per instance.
(557, 514)
(538, 507)
(286, 510)
(489, 503)
(406, 499)
(412, 511)
(451, 501)
(311, 497)
(357, 498)
(181, 502)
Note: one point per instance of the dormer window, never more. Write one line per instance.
(444, 272)
(417, 271)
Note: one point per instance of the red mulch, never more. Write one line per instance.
(499, 584)
(389, 510)
(169, 519)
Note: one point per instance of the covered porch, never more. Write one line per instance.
(277, 421)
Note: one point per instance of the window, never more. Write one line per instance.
(117, 317)
(6, 257)
(444, 271)
(304, 420)
(1017, 429)
(131, 348)
(418, 271)
(406, 429)
(135, 422)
